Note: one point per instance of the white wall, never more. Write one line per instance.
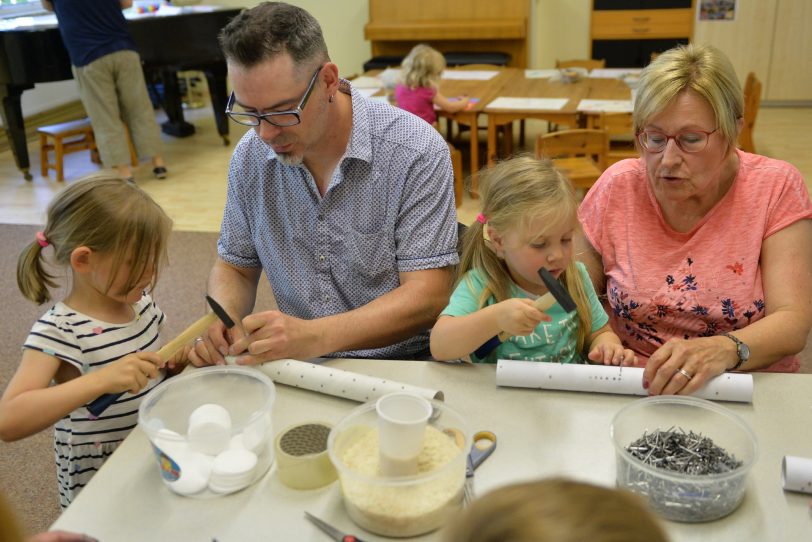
(341, 22)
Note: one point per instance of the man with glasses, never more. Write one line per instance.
(703, 251)
(346, 203)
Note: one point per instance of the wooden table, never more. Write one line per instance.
(484, 90)
(519, 86)
(541, 433)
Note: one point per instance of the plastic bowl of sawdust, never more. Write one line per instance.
(687, 456)
(401, 506)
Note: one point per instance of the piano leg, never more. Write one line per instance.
(176, 125)
(216, 78)
(15, 126)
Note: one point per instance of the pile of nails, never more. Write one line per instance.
(687, 453)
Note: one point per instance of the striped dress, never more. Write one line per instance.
(82, 444)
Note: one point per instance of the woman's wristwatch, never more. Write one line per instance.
(742, 351)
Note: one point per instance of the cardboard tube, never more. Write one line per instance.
(796, 474)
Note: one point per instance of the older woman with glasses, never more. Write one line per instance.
(704, 252)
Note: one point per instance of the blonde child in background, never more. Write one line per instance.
(529, 213)
(556, 510)
(102, 337)
(419, 92)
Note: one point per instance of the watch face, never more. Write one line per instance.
(743, 351)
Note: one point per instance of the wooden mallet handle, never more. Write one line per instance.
(198, 328)
(100, 404)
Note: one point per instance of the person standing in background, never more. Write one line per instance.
(107, 68)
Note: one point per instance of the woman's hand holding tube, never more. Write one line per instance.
(680, 367)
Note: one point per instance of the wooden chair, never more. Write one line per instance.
(580, 154)
(752, 101)
(69, 137)
(620, 128)
(588, 63)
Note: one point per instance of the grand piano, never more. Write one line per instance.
(31, 51)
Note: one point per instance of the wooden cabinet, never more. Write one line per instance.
(626, 32)
(395, 27)
(771, 39)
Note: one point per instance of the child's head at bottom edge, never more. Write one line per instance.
(556, 510)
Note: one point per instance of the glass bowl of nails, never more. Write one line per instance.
(688, 457)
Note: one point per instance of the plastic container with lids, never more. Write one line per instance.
(211, 429)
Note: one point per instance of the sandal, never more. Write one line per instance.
(159, 172)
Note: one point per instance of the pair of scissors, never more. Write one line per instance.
(334, 533)
(484, 443)
(483, 446)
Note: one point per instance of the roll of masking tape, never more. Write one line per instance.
(301, 456)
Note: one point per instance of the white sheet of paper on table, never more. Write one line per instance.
(472, 75)
(541, 104)
(541, 74)
(608, 106)
(337, 382)
(737, 387)
(613, 73)
(796, 474)
(365, 81)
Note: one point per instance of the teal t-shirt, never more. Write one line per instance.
(553, 341)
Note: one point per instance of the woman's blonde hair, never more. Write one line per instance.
(703, 69)
(422, 67)
(514, 193)
(107, 215)
(556, 510)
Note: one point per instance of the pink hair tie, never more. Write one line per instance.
(43, 242)
(481, 219)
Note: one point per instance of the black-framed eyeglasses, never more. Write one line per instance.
(291, 117)
(687, 140)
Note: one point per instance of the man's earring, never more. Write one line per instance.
(330, 99)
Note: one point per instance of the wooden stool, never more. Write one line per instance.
(68, 137)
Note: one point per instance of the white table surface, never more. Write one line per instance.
(540, 433)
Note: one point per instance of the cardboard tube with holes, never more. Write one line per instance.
(301, 456)
(337, 382)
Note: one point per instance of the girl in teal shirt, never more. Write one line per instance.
(528, 220)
